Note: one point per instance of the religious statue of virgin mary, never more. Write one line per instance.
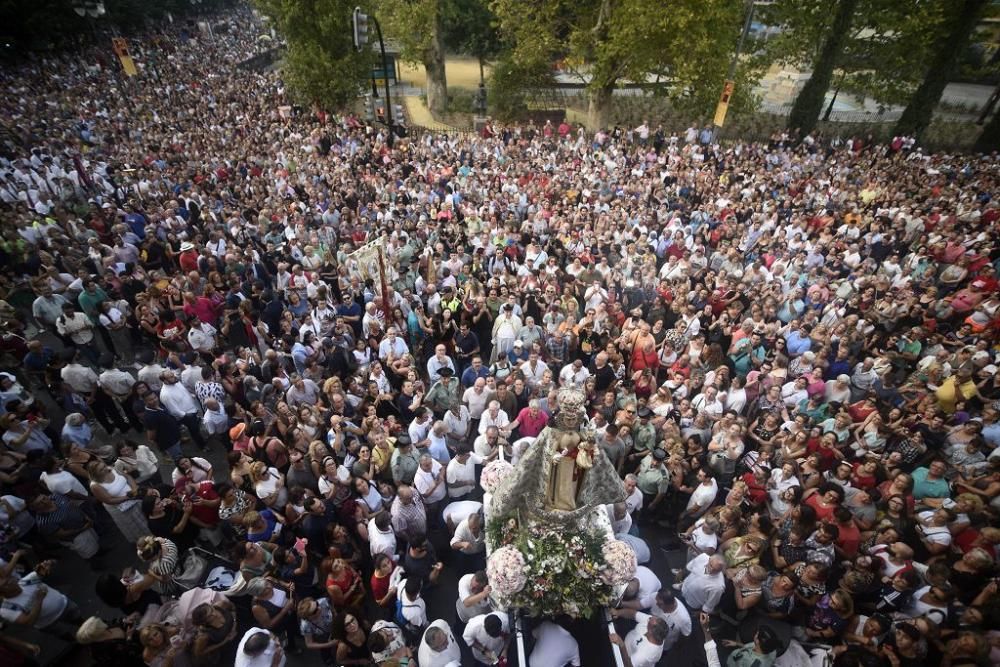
(564, 474)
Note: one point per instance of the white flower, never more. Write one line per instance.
(506, 571)
(620, 562)
(493, 474)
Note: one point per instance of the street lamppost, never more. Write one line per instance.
(730, 84)
(359, 24)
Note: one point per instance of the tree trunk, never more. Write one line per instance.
(599, 107)
(437, 80)
(809, 102)
(920, 109)
(989, 140)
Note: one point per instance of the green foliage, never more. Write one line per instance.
(958, 29)
(469, 26)
(510, 82)
(883, 51)
(689, 43)
(321, 64)
(809, 102)
(417, 27)
(563, 568)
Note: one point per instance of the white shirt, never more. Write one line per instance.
(63, 482)
(571, 377)
(266, 657)
(424, 481)
(476, 543)
(215, 421)
(639, 546)
(500, 420)
(414, 611)
(634, 501)
(678, 623)
(202, 337)
(53, 604)
(641, 651)
(477, 401)
(451, 656)
(701, 590)
(703, 496)
(381, 543)
(465, 591)
(476, 633)
(458, 511)
(649, 586)
(177, 400)
(554, 647)
(461, 477)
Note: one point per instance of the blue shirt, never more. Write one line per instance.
(469, 376)
(796, 343)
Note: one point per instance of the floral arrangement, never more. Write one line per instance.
(506, 571)
(493, 474)
(555, 571)
(620, 562)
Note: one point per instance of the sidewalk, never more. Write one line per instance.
(417, 114)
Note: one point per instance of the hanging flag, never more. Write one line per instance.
(120, 46)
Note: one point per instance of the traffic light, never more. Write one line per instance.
(360, 25)
(380, 113)
(369, 109)
(398, 117)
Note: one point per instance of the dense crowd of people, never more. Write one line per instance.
(789, 351)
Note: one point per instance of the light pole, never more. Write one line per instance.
(727, 88)
(359, 23)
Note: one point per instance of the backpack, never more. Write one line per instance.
(400, 620)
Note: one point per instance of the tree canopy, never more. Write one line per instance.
(321, 64)
(688, 43)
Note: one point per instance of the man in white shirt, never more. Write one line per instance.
(574, 375)
(437, 362)
(493, 416)
(461, 473)
(392, 346)
(179, 402)
(674, 614)
(487, 635)
(641, 591)
(473, 596)
(381, 538)
(201, 336)
(702, 588)
(438, 648)
(469, 543)
(259, 648)
(430, 482)
(412, 606)
(644, 645)
(554, 647)
(703, 495)
(477, 397)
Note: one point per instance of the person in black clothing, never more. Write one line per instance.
(171, 520)
(603, 373)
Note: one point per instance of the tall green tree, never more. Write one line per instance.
(321, 64)
(418, 27)
(686, 42)
(470, 28)
(962, 22)
(809, 102)
(870, 48)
